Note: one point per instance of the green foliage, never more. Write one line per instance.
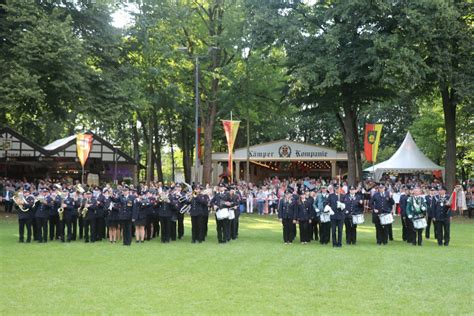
(256, 274)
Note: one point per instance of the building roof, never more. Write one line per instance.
(59, 143)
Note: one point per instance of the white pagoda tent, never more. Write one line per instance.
(407, 159)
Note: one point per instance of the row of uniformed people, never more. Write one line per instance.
(327, 209)
(432, 208)
(118, 210)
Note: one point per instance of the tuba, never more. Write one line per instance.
(20, 200)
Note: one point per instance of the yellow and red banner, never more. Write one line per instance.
(372, 140)
(230, 128)
(84, 146)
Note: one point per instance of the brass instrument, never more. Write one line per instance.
(79, 188)
(85, 209)
(164, 197)
(20, 200)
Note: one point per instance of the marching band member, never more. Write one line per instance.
(140, 211)
(101, 212)
(303, 217)
(165, 212)
(42, 215)
(113, 221)
(125, 215)
(430, 200)
(25, 215)
(287, 216)
(324, 227)
(70, 205)
(416, 209)
(152, 216)
(314, 231)
(54, 216)
(381, 203)
(177, 217)
(337, 216)
(406, 232)
(198, 212)
(88, 212)
(234, 199)
(220, 201)
(354, 206)
(442, 217)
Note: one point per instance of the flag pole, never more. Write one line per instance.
(231, 167)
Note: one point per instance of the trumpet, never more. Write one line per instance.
(20, 200)
(79, 188)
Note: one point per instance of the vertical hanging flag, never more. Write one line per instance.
(230, 128)
(84, 146)
(371, 141)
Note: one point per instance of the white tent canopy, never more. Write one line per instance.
(407, 159)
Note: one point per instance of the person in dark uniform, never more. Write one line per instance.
(324, 228)
(198, 212)
(234, 199)
(70, 206)
(54, 215)
(45, 204)
(88, 213)
(381, 203)
(406, 233)
(286, 215)
(125, 215)
(152, 216)
(416, 209)
(61, 198)
(220, 201)
(303, 217)
(76, 220)
(431, 204)
(442, 218)
(314, 216)
(165, 212)
(337, 216)
(140, 211)
(354, 203)
(179, 215)
(25, 215)
(100, 215)
(175, 206)
(113, 221)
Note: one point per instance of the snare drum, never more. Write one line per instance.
(231, 214)
(386, 219)
(325, 218)
(223, 213)
(419, 223)
(358, 219)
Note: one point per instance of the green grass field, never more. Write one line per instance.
(256, 274)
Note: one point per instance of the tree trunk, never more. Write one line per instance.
(170, 134)
(159, 166)
(187, 152)
(350, 120)
(136, 147)
(207, 163)
(449, 109)
(149, 166)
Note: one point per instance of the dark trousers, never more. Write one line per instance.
(35, 229)
(42, 224)
(180, 226)
(68, 225)
(234, 226)
(404, 229)
(80, 222)
(165, 223)
(74, 227)
(305, 231)
(351, 231)
(198, 229)
(100, 228)
(222, 230)
(325, 232)
(314, 229)
(417, 236)
(90, 224)
(21, 226)
(8, 206)
(287, 230)
(61, 229)
(427, 232)
(410, 231)
(381, 232)
(206, 223)
(337, 224)
(443, 231)
(173, 229)
(53, 226)
(127, 231)
(390, 231)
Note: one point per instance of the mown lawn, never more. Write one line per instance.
(256, 274)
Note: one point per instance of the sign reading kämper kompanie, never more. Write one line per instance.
(284, 150)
